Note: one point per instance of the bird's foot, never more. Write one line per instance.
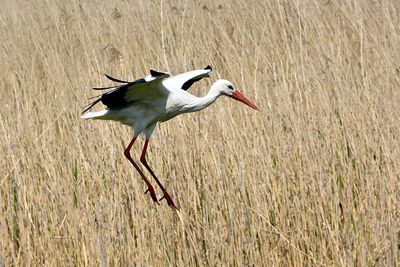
(152, 193)
(169, 200)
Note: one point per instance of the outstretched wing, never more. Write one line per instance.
(121, 95)
(185, 80)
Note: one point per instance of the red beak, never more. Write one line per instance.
(238, 96)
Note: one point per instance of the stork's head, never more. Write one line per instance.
(225, 87)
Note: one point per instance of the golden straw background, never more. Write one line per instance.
(311, 180)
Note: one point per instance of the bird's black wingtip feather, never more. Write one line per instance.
(114, 79)
(104, 88)
(156, 73)
(91, 105)
(208, 67)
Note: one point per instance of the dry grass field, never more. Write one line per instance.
(311, 180)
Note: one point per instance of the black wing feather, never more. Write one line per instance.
(115, 79)
(157, 73)
(91, 105)
(105, 88)
(189, 83)
(116, 97)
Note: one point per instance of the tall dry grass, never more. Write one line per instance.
(312, 179)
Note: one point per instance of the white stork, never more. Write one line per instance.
(155, 98)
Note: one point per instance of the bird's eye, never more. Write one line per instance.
(230, 87)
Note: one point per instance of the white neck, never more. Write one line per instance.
(200, 103)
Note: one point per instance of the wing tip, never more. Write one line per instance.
(157, 73)
(114, 79)
(90, 106)
(208, 68)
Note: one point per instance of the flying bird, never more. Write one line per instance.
(156, 98)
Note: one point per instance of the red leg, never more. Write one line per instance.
(150, 188)
(144, 162)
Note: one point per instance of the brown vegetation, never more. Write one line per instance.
(312, 179)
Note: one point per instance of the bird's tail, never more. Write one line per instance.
(95, 115)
